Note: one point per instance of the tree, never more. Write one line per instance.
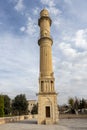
(7, 105)
(34, 109)
(20, 105)
(1, 106)
(71, 104)
(83, 103)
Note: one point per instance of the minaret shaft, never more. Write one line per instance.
(46, 68)
(47, 97)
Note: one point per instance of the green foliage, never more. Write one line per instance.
(76, 104)
(34, 109)
(83, 104)
(1, 106)
(20, 105)
(7, 105)
(71, 102)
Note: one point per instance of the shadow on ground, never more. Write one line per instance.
(28, 122)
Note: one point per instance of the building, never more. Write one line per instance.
(47, 97)
(31, 104)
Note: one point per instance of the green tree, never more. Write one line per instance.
(1, 106)
(7, 105)
(34, 109)
(83, 103)
(71, 102)
(71, 105)
(20, 105)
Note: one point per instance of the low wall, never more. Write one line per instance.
(4, 120)
(35, 116)
(11, 119)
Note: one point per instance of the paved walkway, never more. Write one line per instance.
(64, 124)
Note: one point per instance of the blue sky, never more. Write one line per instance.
(19, 51)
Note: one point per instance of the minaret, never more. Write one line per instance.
(47, 97)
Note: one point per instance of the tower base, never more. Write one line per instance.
(47, 108)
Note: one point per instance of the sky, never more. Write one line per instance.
(19, 50)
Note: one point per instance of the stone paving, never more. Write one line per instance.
(74, 124)
(64, 124)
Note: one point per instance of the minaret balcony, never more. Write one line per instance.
(44, 17)
(44, 38)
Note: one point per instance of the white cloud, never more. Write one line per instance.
(71, 77)
(18, 65)
(30, 28)
(74, 44)
(57, 21)
(19, 5)
(67, 49)
(71, 65)
(36, 11)
(51, 6)
(48, 2)
(53, 10)
(81, 38)
(22, 29)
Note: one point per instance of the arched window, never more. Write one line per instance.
(51, 85)
(42, 86)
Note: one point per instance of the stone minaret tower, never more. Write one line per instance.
(47, 97)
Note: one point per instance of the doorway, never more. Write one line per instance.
(47, 111)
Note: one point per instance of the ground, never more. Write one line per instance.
(64, 124)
